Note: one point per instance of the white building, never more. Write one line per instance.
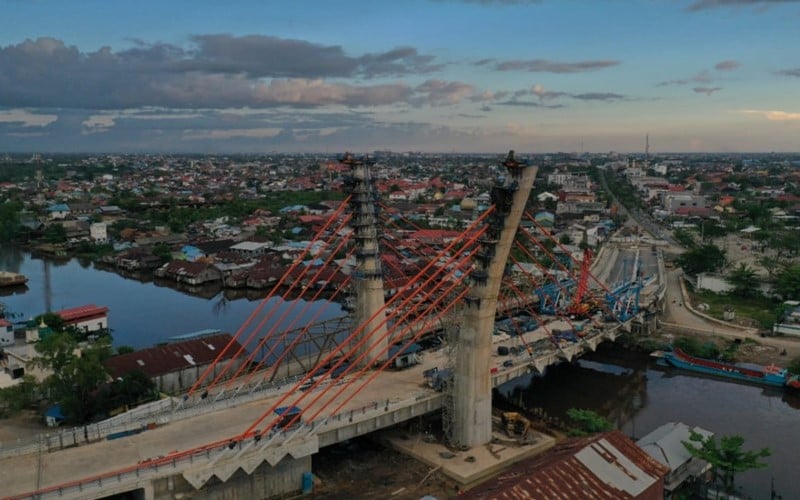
(98, 232)
(6, 333)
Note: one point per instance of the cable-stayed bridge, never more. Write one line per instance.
(286, 387)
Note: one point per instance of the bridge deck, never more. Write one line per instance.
(390, 391)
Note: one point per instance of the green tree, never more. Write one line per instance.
(9, 220)
(585, 422)
(744, 280)
(685, 238)
(787, 283)
(770, 264)
(75, 374)
(703, 259)
(19, 396)
(55, 233)
(565, 239)
(726, 456)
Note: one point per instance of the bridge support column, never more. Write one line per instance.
(472, 389)
(370, 314)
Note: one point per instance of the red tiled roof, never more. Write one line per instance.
(4, 323)
(164, 359)
(78, 313)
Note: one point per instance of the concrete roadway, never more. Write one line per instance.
(20, 473)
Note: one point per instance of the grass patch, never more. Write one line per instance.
(759, 309)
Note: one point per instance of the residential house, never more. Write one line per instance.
(176, 367)
(98, 232)
(606, 465)
(665, 444)
(190, 273)
(59, 211)
(6, 333)
(89, 318)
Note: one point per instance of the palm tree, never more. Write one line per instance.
(744, 280)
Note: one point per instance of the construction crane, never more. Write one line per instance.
(581, 306)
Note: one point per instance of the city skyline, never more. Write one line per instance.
(423, 75)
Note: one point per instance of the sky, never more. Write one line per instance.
(255, 76)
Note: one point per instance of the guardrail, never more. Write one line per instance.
(87, 434)
(156, 467)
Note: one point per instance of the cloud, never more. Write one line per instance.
(772, 115)
(219, 71)
(706, 90)
(25, 118)
(442, 93)
(789, 72)
(545, 95)
(228, 133)
(699, 5)
(599, 96)
(268, 56)
(728, 65)
(702, 77)
(530, 104)
(546, 66)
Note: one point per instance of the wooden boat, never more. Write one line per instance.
(770, 375)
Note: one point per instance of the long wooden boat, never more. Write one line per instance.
(770, 375)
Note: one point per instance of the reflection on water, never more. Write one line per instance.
(638, 396)
(143, 313)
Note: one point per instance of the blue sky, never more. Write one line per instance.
(423, 75)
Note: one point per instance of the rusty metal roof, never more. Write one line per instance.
(605, 466)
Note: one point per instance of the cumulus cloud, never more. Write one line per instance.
(442, 93)
(547, 66)
(25, 118)
(773, 115)
(789, 72)
(706, 90)
(218, 71)
(728, 65)
(699, 5)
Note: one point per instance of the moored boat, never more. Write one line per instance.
(12, 279)
(770, 375)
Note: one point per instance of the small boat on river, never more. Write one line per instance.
(770, 375)
(12, 279)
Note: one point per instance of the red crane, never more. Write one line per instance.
(579, 306)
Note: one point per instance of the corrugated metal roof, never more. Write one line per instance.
(76, 313)
(606, 466)
(160, 360)
(665, 443)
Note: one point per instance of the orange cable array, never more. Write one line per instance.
(266, 299)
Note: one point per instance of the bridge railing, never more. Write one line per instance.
(156, 467)
(139, 421)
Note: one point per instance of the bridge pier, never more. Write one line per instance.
(368, 276)
(472, 388)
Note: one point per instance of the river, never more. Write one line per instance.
(141, 314)
(637, 395)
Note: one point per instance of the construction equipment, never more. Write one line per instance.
(581, 306)
(516, 425)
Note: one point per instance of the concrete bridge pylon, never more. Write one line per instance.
(471, 410)
(368, 275)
